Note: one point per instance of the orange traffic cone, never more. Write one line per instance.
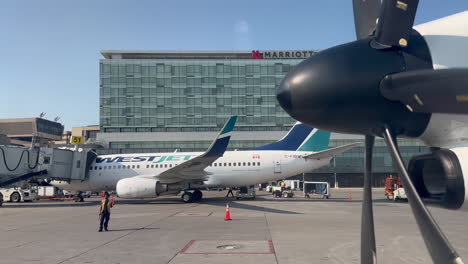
(227, 217)
(350, 198)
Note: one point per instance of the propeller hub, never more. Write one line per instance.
(338, 90)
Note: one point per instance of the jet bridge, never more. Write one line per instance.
(20, 163)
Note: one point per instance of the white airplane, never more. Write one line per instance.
(149, 175)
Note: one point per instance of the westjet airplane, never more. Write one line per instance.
(150, 175)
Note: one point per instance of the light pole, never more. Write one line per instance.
(334, 172)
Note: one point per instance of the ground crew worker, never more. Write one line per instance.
(283, 186)
(230, 192)
(104, 211)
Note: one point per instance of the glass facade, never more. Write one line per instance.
(177, 94)
(144, 93)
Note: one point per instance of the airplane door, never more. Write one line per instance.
(277, 166)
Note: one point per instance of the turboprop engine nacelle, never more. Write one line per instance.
(439, 177)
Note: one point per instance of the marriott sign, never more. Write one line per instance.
(282, 54)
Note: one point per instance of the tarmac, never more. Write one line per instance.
(265, 230)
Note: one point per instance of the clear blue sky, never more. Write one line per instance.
(50, 50)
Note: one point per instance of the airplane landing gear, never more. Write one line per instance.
(197, 195)
(187, 197)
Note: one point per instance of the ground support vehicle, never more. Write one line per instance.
(17, 195)
(391, 184)
(312, 189)
(246, 192)
(286, 193)
(399, 194)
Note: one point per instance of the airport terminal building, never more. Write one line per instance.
(162, 101)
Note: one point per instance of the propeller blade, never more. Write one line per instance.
(437, 244)
(366, 13)
(368, 251)
(429, 91)
(395, 22)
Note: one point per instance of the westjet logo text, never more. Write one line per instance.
(154, 159)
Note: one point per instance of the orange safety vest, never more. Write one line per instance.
(110, 204)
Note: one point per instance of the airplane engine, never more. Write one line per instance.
(439, 177)
(138, 188)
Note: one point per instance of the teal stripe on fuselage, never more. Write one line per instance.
(317, 142)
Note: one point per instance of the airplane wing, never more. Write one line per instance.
(329, 153)
(194, 169)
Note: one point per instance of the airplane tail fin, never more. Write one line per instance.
(301, 138)
(219, 145)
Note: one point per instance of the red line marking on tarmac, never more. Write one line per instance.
(187, 247)
(272, 247)
(183, 210)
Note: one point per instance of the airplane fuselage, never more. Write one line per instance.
(234, 168)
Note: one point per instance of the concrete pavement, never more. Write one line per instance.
(266, 230)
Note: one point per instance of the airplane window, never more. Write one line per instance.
(95, 168)
(248, 163)
(152, 166)
(128, 167)
(214, 164)
(91, 168)
(118, 167)
(234, 164)
(258, 163)
(138, 166)
(114, 167)
(243, 164)
(238, 164)
(165, 165)
(133, 166)
(253, 163)
(147, 166)
(105, 167)
(229, 163)
(225, 164)
(156, 166)
(170, 165)
(100, 168)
